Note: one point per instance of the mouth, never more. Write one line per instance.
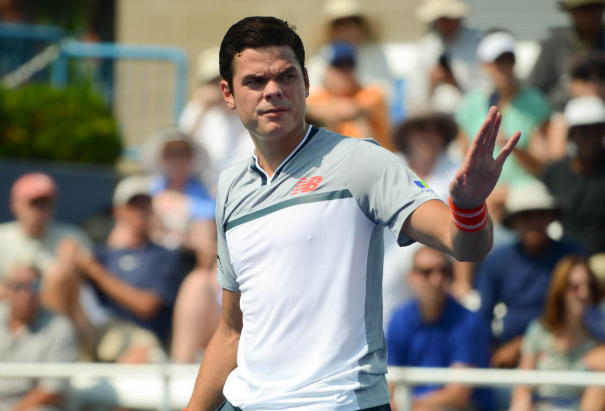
(275, 111)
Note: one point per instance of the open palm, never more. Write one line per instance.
(479, 173)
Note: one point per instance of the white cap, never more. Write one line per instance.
(584, 110)
(207, 65)
(130, 187)
(494, 45)
(338, 9)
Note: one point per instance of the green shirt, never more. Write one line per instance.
(526, 113)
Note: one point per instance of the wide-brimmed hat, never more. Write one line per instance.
(533, 196)
(340, 9)
(445, 124)
(574, 4)
(151, 160)
(431, 10)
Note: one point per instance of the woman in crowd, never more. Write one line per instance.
(559, 341)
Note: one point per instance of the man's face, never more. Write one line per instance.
(430, 276)
(340, 79)
(446, 27)
(588, 18)
(501, 71)
(176, 158)
(136, 214)
(589, 140)
(23, 293)
(34, 214)
(269, 91)
(531, 226)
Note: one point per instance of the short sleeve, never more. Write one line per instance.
(533, 337)
(385, 189)
(226, 276)
(62, 346)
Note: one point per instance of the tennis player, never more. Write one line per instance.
(300, 239)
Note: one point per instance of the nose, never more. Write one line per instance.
(273, 90)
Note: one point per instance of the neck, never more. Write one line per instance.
(536, 249)
(431, 312)
(15, 323)
(129, 238)
(34, 232)
(177, 183)
(508, 91)
(271, 154)
(421, 165)
(573, 325)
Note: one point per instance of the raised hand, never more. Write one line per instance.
(479, 173)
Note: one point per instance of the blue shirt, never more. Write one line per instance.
(458, 337)
(150, 268)
(202, 205)
(520, 281)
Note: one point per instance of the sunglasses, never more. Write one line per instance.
(443, 270)
(31, 286)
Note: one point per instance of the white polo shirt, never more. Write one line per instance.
(305, 248)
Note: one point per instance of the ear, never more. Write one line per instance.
(227, 95)
(307, 84)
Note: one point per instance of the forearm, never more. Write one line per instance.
(35, 398)
(521, 399)
(219, 360)
(471, 247)
(528, 161)
(144, 304)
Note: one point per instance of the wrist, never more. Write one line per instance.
(469, 220)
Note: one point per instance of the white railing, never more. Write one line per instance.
(166, 387)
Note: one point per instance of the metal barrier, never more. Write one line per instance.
(146, 86)
(165, 387)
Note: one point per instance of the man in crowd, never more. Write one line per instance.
(585, 34)
(518, 275)
(135, 280)
(346, 107)
(31, 334)
(433, 330)
(580, 180)
(446, 65)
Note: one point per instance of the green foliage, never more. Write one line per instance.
(71, 124)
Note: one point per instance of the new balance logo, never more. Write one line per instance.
(306, 184)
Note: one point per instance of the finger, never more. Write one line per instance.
(508, 148)
(483, 133)
(494, 137)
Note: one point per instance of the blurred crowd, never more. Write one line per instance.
(148, 293)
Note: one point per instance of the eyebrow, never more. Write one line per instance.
(287, 70)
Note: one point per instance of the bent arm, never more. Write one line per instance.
(220, 358)
(431, 224)
(35, 398)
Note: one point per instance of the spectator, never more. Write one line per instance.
(558, 341)
(34, 239)
(518, 274)
(446, 67)
(32, 334)
(586, 34)
(435, 331)
(346, 107)
(587, 78)
(135, 281)
(182, 204)
(422, 142)
(208, 120)
(345, 21)
(580, 179)
(523, 108)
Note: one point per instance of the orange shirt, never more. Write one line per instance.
(375, 125)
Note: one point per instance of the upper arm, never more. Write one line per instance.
(231, 317)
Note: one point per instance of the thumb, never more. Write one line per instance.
(457, 183)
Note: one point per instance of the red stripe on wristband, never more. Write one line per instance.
(469, 220)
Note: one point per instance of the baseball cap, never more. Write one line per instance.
(494, 45)
(338, 52)
(130, 187)
(34, 185)
(584, 110)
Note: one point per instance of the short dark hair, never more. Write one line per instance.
(256, 32)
